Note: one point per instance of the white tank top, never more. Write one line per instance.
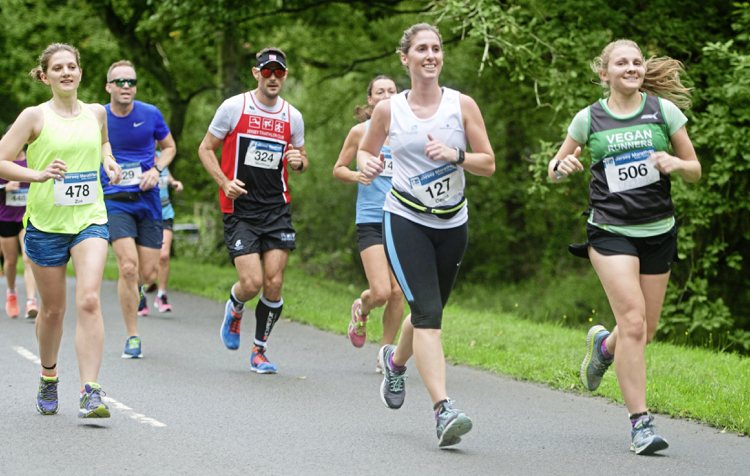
(434, 183)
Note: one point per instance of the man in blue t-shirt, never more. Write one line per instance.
(133, 205)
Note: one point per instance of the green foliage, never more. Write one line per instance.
(525, 62)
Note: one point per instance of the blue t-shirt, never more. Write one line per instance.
(133, 139)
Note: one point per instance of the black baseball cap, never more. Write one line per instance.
(271, 56)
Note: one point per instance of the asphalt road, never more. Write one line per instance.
(192, 407)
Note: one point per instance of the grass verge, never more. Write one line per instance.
(683, 382)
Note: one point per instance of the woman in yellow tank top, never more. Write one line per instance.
(65, 217)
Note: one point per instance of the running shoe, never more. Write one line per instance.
(46, 398)
(392, 390)
(151, 287)
(358, 325)
(132, 348)
(142, 304)
(451, 424)
(259, 362)
(644, 440)
(162, 304)
(91, 405)
(31, 309)
(594, 364)
(230, 327)
(11, 304)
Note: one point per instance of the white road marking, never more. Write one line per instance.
(113, 404)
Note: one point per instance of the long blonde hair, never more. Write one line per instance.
(662, 76)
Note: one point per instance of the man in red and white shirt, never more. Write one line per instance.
(261, 137)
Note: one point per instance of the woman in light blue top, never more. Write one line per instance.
(383, 287)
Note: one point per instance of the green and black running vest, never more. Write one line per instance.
(625, 188)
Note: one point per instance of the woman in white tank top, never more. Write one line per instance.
(425, 224)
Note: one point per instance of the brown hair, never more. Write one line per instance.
(412, 31)
(662, 76)
(114, 65)
(363, 113)
(43, 60)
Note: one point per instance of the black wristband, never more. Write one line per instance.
(157, 168)
(554, 169)
(461, 156)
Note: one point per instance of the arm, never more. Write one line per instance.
(566, 161)
(207, 153)
(111, 167)
(341, 170)
(368, 155)
(685, 163)
(150, 178)
(24, 131)
(174, 183)
(481, 160)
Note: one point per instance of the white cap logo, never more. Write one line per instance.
(272, 57)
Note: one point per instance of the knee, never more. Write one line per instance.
(272, 287)
(52, 315)
(164, 257)
(129, 270)
(88, 303)
(633, 326)
(250, 284)
(379, 295)
(427, 318)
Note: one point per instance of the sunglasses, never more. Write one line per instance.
(267, 72)
(121, 82)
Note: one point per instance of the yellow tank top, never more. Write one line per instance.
(71, 205)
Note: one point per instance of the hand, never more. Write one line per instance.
(177, 186)
(362, 179)
(55, 170)
(149, 179)
(294, 159)
(436, 150)
(12, 186)
(113, 170)
(569, 164)
(233, 188)
(665, 163)
(373, 167)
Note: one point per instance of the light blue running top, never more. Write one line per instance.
(370, 198)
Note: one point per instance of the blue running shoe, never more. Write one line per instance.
(132, 348)
(230, 328)
(91, 405)
(259, 362)
(392, 389)
(594, 364)
(644, 440)
(46, 398)
(451, 424)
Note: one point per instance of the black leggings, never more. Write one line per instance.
(425, 262)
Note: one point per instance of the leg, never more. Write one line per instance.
(383, 289)
(28, 275)
(393, 312)
(127, 281)
(166, 250)
(619, 275)
(148, 261)
(9, 245)
(89, 257)
(269, 307)
(49, 321)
